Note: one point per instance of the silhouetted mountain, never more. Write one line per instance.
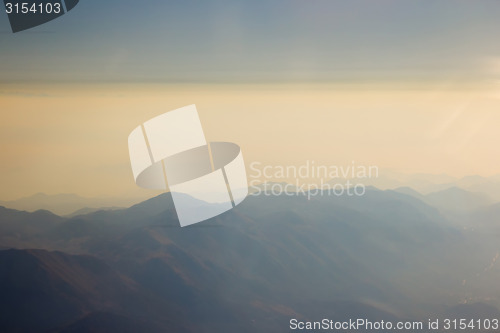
(88, 210)
(23, 229)
(411, 192)
(453, 200)
(51, 288)
(428, 183)
(20, 221)
(105, 322)
(423, 183)
(490, 188)
(488, 216)
(65, 204)
(457, 200)
(272, 258)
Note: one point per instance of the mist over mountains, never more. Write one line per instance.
(482, 190)
(385, 255)
(68, 204)
(428, 183)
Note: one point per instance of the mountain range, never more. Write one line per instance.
(385, 255)
(68, 204)
(429, 183)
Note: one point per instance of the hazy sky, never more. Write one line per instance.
(261, 40)
(74, 139)
(412, 86)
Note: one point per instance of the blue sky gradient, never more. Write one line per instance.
(257, 41)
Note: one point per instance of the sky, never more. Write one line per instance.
(255, 41)
(412, 86)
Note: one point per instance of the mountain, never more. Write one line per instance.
(452, 201)
(489, 216)
(67, 293)
(40, 290)
(458, 200)
(88, 210)
(491, 188)
(423, 183)
(66, 204)
(383, 255)
(111, 322)
(428, 183)
(23, 229)
(411, 192)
